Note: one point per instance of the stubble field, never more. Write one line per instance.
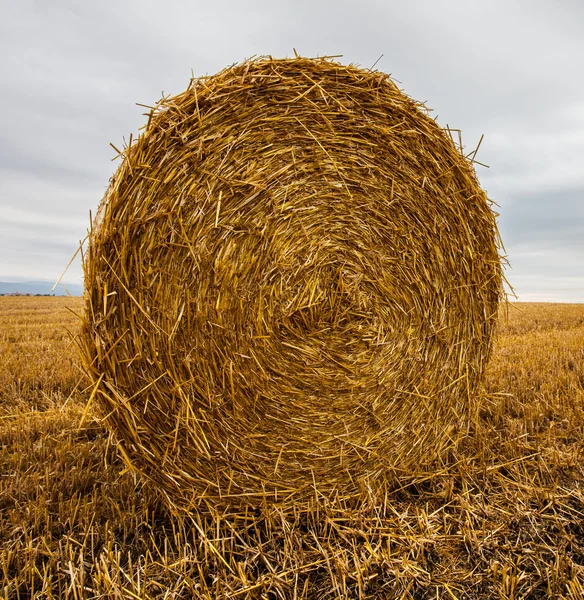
(504, 520)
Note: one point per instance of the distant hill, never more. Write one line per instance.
(41, 287)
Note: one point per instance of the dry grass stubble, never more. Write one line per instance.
(505, 522)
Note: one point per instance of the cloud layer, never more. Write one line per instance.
(72, 72)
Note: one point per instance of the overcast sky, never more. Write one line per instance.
(71, 73)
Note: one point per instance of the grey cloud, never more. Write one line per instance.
(71, 73)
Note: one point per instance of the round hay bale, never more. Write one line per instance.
(291, 288)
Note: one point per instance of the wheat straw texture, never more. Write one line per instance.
(291, 288)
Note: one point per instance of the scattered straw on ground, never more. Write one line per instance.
(504, 522)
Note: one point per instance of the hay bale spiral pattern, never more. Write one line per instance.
(292, 286)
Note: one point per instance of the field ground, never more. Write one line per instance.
(506, 521)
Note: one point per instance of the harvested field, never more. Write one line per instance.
(505, 520)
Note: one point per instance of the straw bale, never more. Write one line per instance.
(291, 288)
